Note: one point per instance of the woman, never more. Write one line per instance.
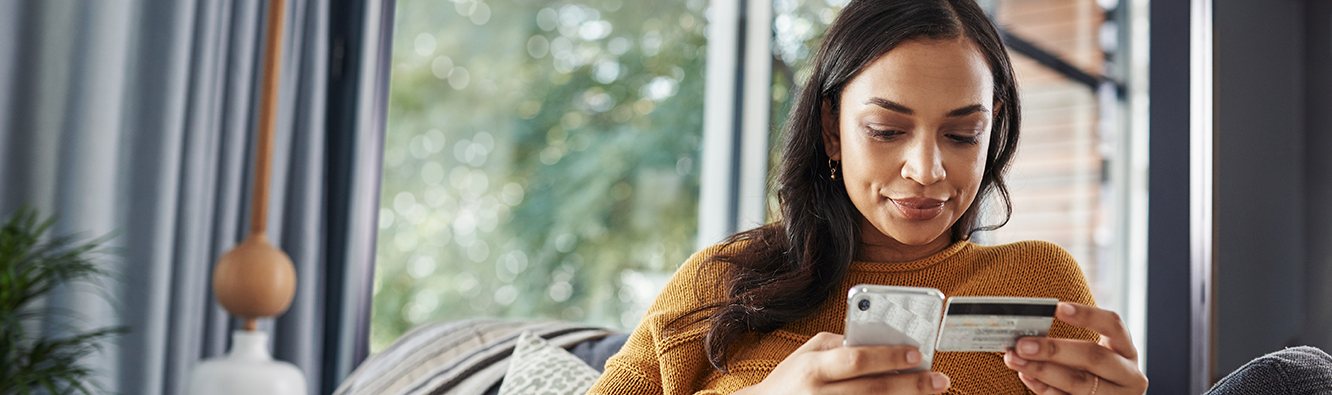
(911, 116)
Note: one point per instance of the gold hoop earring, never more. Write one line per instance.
(832, 168)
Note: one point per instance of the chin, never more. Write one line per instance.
(915, 239)
(915, 233)
(920, 234)
(912, 233)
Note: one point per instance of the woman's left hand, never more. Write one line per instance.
(1078, 367)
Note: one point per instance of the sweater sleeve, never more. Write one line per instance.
(663, 355)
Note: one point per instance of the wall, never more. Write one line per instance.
(1318, 173)
(1272, 171)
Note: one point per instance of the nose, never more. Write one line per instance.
(924, 162)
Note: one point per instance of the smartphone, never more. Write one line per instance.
(882, 315)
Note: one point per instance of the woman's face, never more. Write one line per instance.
(912, 134)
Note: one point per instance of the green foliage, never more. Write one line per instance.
(541, 159)
(32, 264)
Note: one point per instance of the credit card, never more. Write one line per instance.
(993, 324)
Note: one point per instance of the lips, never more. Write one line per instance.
(918, 208)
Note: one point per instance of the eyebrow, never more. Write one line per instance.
(893, 106)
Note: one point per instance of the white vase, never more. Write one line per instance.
(248, 369)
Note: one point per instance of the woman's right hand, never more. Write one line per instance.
(823, 366)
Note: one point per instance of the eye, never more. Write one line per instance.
(968, 139)
(885, 134)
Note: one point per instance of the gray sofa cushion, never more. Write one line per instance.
(596, 351)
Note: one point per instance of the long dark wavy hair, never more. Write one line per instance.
(789, 267)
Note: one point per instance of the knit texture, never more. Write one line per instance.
(656, 360)
(1300, 370)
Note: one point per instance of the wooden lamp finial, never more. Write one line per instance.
(254, 280)
(257, 279)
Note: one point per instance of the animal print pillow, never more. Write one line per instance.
(538, 368)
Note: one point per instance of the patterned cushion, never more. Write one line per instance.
(538, 368)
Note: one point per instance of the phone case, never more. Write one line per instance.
(882, 315)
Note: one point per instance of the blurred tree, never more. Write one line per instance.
(540, 161)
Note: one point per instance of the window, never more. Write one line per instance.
(1061, 185)
(541, 159)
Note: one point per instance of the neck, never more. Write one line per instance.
(878, 247)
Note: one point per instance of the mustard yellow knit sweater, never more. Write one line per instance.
(655, 361)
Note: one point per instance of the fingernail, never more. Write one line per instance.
(1066, 309)
(1016, 360)
(1028, 347)
(940, 381)
(913, 357)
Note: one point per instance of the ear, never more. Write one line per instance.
(832, 137)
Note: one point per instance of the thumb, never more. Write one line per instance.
(820, 342)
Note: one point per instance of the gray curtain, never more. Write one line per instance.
(136, 118)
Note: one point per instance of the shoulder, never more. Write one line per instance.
(710, 265)
(1031, 255)
(698, 282)
(1034, 268)
(667, 348)
(1026, 247)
